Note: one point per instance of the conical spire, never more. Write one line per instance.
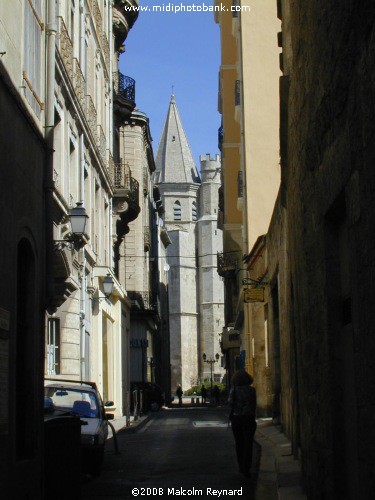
(174, 160)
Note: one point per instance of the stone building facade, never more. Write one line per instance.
(141, 257)
(327, 150)
(23, 175)
(189, 218)
(249, 143)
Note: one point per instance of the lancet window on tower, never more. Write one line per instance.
(177, 210)
(194, 214)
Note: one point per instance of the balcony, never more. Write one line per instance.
(220, 137)
(143, 301)
(147, 238)
(226, 262)
(124, 97)
(125, 13)
(126, 195)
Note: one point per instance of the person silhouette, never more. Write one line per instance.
(179, 393)
(242, 401)
(204, 394)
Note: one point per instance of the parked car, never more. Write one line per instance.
(82, 399)
(153, 398)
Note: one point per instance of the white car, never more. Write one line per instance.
(83, 400)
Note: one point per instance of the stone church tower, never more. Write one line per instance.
(179, 183)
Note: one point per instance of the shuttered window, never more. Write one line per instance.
(194, 214)
(32, 61)
(177, 210)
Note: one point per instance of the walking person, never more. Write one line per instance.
(242, 401)
(216, 394)
(204, 394)
(179, 394)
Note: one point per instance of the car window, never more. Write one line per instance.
(82, 403)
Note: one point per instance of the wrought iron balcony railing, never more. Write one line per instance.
(226, 261)
(145, 300)
(240, 185)
(220, 136)
(237, 93)
(147, 238)
(126, 87)
(125, 185)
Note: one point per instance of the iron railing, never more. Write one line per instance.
(240, 184)
(144, 299)
(147, 238)
(122, 180)
(226, 261)
(220, 137)
(126, 87)
(237, 93)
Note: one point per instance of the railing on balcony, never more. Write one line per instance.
(111, 167)
(240, 185)
(226, 261)
(79, 83)
(237, 93)
(66, 48)
(147, 238)
(92, 116)
(220, 137)
(122, 180)
(102, 144)
(145, 300)
(126, 87)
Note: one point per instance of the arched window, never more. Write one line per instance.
(177, 210)
(194, 214)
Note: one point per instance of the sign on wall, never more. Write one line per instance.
(253, 295)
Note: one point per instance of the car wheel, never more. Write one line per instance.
(155, 406)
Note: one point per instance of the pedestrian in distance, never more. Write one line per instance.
(204, 394)
(242, 401)
(216, 394)
(179, 394)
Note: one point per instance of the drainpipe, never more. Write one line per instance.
(111, 51)
(83, 268)
(49, 187)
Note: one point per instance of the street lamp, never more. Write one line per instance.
(78, 222)
(108, 285)
(211, 361)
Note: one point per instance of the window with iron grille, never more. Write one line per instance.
(32, 58)
(53, 346)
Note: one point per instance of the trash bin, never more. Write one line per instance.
(62, 457)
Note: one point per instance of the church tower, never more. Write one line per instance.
(210, 288)
(178, 181)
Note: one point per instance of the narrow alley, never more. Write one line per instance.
(176, 450)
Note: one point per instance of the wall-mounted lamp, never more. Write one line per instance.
(78, 222)
(108, 285)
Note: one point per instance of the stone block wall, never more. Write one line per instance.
(328, 55)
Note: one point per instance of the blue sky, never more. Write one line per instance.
(183, 49)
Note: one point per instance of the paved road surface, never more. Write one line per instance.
(180, 452)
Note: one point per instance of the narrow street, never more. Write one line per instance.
(184, 449)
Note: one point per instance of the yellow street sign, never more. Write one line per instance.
(253, 295)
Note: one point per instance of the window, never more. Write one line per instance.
(33, 54)
(177, 210)
(53, 346)
(194, 215)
